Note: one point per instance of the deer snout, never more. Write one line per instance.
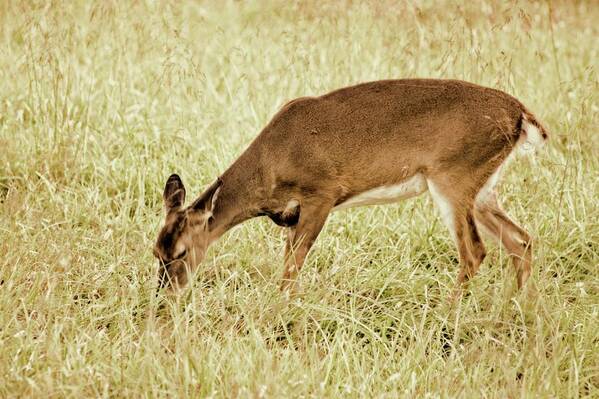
(172, 277)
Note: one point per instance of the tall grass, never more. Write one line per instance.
(100, 102)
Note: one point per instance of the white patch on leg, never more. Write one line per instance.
(487, 191)
(291, 205)
(444, 206)
(486, 232)
(518, 238)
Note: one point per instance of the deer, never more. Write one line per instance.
(369, 144)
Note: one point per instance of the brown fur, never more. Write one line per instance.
(321, 151)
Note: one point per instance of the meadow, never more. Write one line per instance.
(101, 101)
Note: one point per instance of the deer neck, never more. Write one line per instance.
(239, 199)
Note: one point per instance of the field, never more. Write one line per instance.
(100, 102)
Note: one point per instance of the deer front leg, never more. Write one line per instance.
(300, 239)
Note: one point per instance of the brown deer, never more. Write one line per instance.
(373, 143)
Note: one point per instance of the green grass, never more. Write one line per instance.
(100, 103)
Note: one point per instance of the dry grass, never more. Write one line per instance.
(99, 103)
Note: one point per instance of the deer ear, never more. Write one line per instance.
(174, 193)
(207, 201)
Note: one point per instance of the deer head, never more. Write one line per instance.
(185, 236)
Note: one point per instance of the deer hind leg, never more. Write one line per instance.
(457, 212)
(300, 239)
(515, 239)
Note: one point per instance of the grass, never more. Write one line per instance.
(100, 102)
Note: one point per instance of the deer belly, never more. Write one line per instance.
(411, 187)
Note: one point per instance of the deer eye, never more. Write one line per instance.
(181, 255)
